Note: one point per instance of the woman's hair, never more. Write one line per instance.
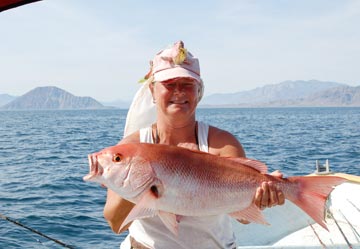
(201, 90)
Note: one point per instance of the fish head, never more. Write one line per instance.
(121, 168)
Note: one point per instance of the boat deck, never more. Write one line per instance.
(292, 228)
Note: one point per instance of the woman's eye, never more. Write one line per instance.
(170, 85)
(117, 158)
(189, 85)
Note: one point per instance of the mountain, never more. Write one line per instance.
(284, 92)
(122, 104)
(50, 97)
(6, 98)
(338, 96)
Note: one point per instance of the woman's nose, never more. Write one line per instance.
(179, 88)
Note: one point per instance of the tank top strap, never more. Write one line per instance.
(146, 135)
(203, 132)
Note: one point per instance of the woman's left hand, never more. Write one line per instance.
(267, 195)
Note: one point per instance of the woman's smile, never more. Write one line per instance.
(179, 102)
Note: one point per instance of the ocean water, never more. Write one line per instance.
(43, 157)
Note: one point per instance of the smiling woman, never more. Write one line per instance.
(173, 88)
(9, 4)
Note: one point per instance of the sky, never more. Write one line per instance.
(102, 48)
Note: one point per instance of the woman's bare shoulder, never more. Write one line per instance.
(223, 143)
(132, 138)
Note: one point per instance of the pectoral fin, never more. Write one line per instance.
(170, 221)
(143, 209)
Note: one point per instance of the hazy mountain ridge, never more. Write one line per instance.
(339, 96)
(51, 97)
(6, 98)
(287, 90)
(122, 104)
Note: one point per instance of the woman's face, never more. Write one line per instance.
(176, 96)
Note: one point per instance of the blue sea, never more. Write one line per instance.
(43, 157)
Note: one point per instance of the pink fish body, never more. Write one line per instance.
(172, 182)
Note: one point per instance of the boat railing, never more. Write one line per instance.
(322, 169)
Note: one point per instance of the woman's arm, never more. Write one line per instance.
(116, 210)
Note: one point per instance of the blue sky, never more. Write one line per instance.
(102, 48)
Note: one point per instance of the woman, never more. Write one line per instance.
(174, 87)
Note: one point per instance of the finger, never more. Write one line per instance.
(265, 196)
(273, 200)
(281, 197)
(258, 196)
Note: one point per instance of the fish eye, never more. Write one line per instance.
(117, 158)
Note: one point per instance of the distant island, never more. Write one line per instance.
(312, 93)
(51, 98)
(299, 93)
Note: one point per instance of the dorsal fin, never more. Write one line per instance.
(255, 164)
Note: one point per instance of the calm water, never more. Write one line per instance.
(43, 157)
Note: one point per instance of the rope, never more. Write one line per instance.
(352, 227)
(341, 231)
(34, 231)
(353, 205)
(317, 236)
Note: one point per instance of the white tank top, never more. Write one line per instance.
(194, 232)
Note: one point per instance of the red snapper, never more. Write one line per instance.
(172, 182)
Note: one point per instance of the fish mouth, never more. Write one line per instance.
(95, 169)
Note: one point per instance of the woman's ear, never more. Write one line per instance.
(151, 87)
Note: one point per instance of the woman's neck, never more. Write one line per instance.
(175, 133)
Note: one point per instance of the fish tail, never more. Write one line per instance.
(311, 194)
